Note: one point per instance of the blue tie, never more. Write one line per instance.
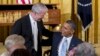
(64, 48)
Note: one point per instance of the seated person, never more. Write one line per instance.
(13, 42)
(83, 49)
(21, 52)
(65, 40)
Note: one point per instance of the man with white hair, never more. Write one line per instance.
(12, 43)
(83, 49)
(31, 28)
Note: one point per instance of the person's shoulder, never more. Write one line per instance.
(57, 33)
(77, 39)
(24, 18)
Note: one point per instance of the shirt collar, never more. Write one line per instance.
(68, 38)
(31, 18)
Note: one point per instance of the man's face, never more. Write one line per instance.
(66, 30)
(39, 16)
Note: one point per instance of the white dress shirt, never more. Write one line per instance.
(60, 45)
(34, 32)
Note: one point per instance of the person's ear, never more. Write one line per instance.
(73, 31)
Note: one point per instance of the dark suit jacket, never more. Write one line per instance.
(23, 27)
(56, 41)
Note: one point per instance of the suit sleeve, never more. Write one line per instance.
(46, 32)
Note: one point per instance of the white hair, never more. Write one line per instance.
(39, 7)
(85, 49)
(14, 39)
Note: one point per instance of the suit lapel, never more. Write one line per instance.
(39, 26)
(59, 41)
(71, 44)
(28, 25)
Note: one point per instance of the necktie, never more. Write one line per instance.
(63, 50)
(35, 33)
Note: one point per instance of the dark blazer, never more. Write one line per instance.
(23, 27)
(56, 41)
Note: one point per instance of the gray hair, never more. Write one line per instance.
(85, 49)
(72, 24)
(39, 7)
(14, 39)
